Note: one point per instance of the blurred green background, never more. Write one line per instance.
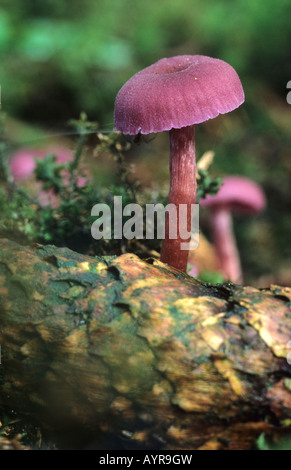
(58, 58)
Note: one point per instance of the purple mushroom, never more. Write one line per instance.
(175, 94)
(23, 164)
(238, 195)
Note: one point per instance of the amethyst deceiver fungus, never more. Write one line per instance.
(173, 95)
(237, 195)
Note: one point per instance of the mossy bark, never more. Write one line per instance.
(137, 350)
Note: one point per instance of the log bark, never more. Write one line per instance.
(140, 352)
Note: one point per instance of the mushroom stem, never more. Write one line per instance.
(182, 191)
(225, 244)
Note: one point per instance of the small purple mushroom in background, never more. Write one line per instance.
(175, 94)
(238, 195)
(23, 164)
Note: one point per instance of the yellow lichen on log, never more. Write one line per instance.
(131, 347)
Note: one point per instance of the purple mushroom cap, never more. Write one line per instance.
(240, 194)
(177, 92)
(23, 162)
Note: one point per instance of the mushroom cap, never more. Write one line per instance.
(23, 162)
(177, 92)
(239, 194)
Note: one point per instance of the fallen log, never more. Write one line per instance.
(140, 352)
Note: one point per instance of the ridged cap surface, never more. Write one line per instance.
(177, 92)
